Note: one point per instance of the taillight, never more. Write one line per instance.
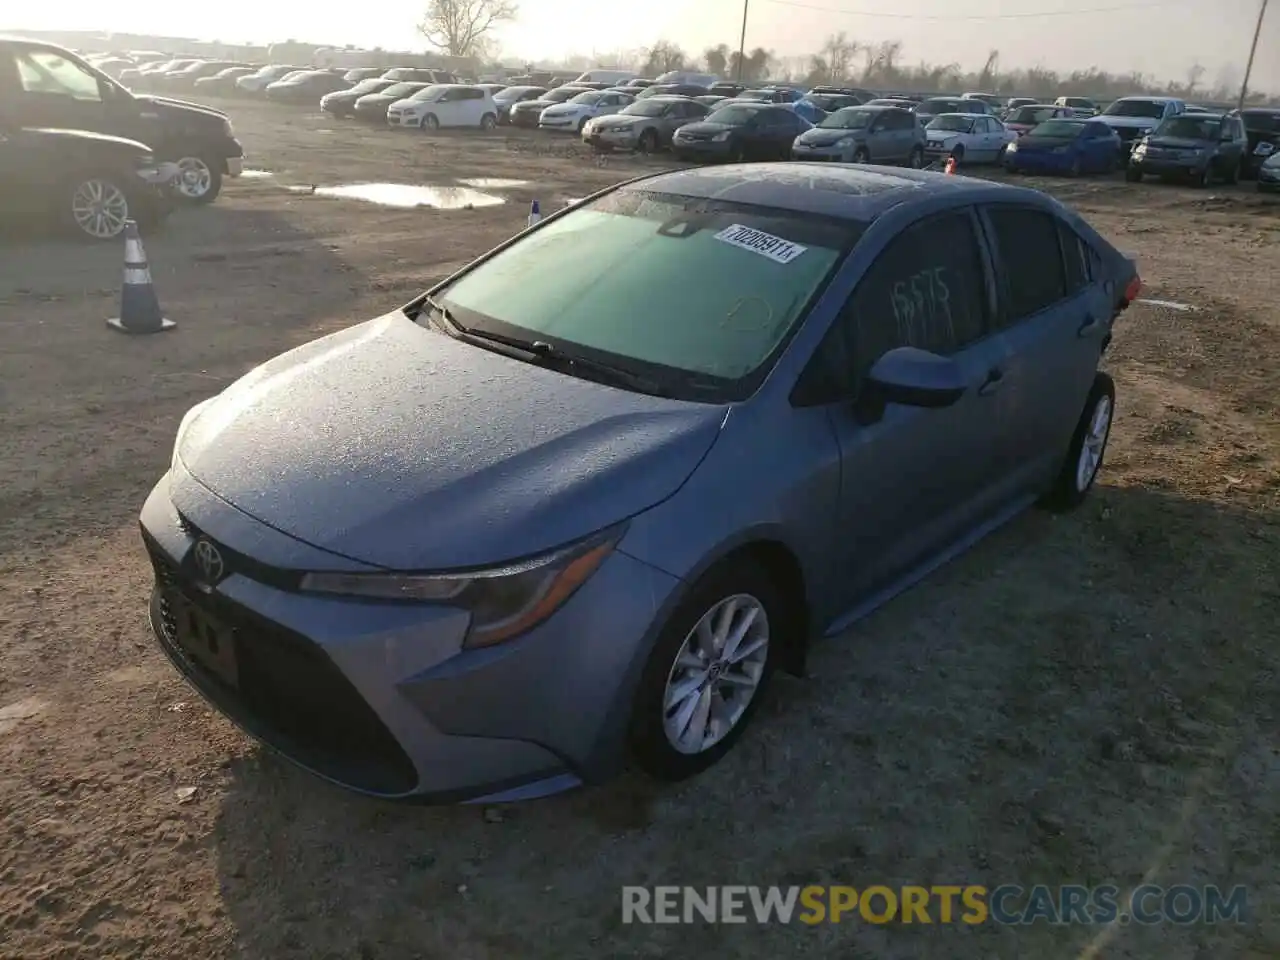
(1133, 289)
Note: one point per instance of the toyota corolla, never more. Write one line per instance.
(581, 499)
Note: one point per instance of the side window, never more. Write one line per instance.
(926, 289)
(43, 71)
(1027, 242)
(1075, 257)
(898, 120)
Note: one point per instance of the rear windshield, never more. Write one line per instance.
(1032, 115)
(701, 293)
(942, 106)
(1152, 109)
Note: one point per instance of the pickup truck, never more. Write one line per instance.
(1132, 118)
(48, 87)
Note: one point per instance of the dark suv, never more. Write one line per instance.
(81, 181)
(46, 86)
(1262, 125)
(1197, 146)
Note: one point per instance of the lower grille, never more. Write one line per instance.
(287, 692)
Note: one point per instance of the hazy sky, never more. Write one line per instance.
(1159, 38)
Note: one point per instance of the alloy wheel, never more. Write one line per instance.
(194, 177)
(716, 674)
(1094, 445)
(100, 209)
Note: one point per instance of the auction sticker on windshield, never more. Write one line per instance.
(757, 241)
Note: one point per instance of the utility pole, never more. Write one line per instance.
(742, 41)
(1257, 32)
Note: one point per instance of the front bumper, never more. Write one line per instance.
(1038, 162)
(701, 149)
(832, 154)
(610, 139)
(1268, 182)
(523, 118)
(381, 698)
(569, 123)
(404, 121)
(1169, 166)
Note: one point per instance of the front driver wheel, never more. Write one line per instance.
(98, 208)
(1088, 448)
(430, 123)
(707, 672)
(861, 155)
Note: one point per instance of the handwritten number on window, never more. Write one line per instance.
(922, 309)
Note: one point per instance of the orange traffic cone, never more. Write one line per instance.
(139, 308)
(951, 166)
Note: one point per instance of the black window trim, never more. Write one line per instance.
(808, 389)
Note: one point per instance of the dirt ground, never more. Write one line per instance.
(1086, 699)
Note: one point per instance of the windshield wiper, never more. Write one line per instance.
(548, 355)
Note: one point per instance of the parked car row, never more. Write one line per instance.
(78, 148)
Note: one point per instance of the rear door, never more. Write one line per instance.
(913, 480)
(1054, 317)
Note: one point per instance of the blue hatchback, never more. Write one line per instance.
(580, 500)
(1070, 147)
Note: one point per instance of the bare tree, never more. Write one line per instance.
(460, 27)
(717, 59)
(838, 53)
(989, 73)
(661, 57)
(755, 67)
(1195, 73)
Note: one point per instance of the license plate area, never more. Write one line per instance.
(207, 640)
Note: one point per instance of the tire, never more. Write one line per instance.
(1001, 155)
(1232, 176)
(654, 725)
(915, 160)
(1133, 174)
(648, 142)
(737, 154)
(1076, 478)
(488, 122)
(95, 207)
(1203, 178)
(1077, 167)
(958, 154)
(861, 155)
(200, 179)
(430, 123)
(582, 125)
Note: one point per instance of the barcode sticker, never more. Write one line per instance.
(757, 241)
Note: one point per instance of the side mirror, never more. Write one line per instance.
(917, 378)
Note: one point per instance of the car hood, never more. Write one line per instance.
(818, 137)
(168, 108)
(1178, 143)
(1129, 123)
(621, 119)
(707, 127)
(1031, 143)
(401, 447)
(56, 135)
(567, 109)
(375, 99)
(534, 104)
(936, 135)
(407, 103)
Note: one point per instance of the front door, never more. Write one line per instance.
(915, 480)
(53, 91)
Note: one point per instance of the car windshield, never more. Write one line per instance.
(736, 115)
(699, 294)
(952, 123)
(561, 95)
(1257, 122)
(1151, 109)
(429, 93)
(850, 118)
(1058, 128)
(941, 106)
(1190, 128)
(1079, 102)
(370, 86)
(401, 89)
(1032, 115)
(646, 108)
(589, 98)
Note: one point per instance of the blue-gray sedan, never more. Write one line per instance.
(581, 499)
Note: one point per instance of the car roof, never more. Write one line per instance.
(832, 190)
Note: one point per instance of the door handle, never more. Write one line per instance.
(1089, 327)
(995, 379)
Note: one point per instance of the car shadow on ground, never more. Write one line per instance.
(1078, 700)
(117, 396)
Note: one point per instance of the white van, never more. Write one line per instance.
(692, 79)
(610, 77)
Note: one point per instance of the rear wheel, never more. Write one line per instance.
(916, 160)
(707, 671)
(1077, 167)
(1232, 174)
(199, 179)
(488, 122)
(1133, 174)
(648, 142)
(1088, 447)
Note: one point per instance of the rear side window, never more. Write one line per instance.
(1034, 277)
(1077, 258)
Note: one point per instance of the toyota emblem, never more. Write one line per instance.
(209, 561)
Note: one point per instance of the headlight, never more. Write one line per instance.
(846, 141)
(721, 137)
(187, 419)
(504, 602)
(1011, 148)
